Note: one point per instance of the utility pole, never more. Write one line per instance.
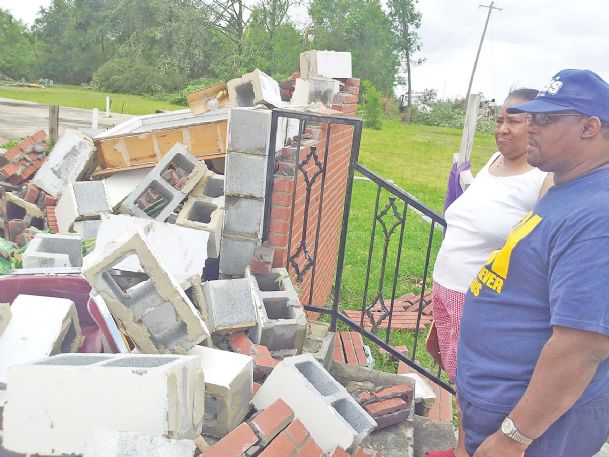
(490, 7)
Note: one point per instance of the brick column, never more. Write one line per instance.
(337, 167)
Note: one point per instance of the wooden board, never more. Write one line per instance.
(144, 150)
(198, 100)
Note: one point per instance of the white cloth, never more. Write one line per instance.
(479, 221)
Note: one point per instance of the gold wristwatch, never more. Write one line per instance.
(509, 429)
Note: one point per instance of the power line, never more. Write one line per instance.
(490, 7)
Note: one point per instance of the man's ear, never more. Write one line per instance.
(591, 127)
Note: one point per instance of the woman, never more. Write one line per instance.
(478, 223)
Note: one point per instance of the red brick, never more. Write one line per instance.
(351, 90)
(383, 407)
(280, 446)
(339, 452)
(239, 342)
(392, 418)
(256, 387)
(339, 355)
(353, 82)
(281, 213)
(351, 358)
(310, 449)
(260, 350)
(234, 444)
(297, 432)
(31, 193)
(272, 420)
(283, 184)
(401, 390)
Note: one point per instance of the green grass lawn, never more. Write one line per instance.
(79, 97)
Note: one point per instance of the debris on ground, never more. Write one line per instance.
(146, 314)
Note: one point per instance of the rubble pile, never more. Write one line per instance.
(145, 316)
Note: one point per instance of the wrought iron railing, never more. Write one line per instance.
(393, 210)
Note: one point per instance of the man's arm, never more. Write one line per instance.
(564, 369)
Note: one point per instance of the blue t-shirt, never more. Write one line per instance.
(552, 270)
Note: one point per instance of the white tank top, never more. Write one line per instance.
(479, 221)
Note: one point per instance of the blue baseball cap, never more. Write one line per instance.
(580, 90)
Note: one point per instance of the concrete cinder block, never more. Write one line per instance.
(120, 184)
(87, 229)
(55, 404)
(245, 175)
(331, 415)
(69, 160)
(328, 64)
(183, 258)
(244, 215)
(230, 304)
(254, 88)
(315, 90)
(320, 343)
(228, 389)
(210, 186)
(249, 130)
(52, 251)
(202, 213)
(151, 308)
(282, 324)
(165, 186)
(39, 327)
(81, 200)
(107, 443)
(236, 254)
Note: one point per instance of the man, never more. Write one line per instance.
(533, 357)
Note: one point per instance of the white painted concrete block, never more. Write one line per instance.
(282, 323)
(81, 200)
(183, 258)
(165, 187)
(326, 409)
(54, 405)
(107, 443)
(230, 304)
(67, 162)
(120, 184)
(314, 91)
(48, 250)
(39, 327)
(328, 64)
(5, 316)
(207, 214)
(253, 89)
(153, 310)
(228, 388)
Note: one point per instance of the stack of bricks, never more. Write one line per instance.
(23, 209)
(349, 349)
(283, 203)
(388, 405)
(263, 359)
(404, 315)
(23, 160)
(274, 432)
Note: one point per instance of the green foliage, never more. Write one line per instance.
(122, 75)
(10, 144)
(362, 28)
(17, 56)
(179, 98)
(448, 113)
(372, 106)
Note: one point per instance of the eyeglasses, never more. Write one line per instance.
(546, 118)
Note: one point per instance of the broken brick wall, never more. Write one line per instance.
(335, 186)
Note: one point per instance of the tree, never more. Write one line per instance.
(362, 28)
(406, 20)
(17, 53)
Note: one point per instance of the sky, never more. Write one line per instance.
(526, 43)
